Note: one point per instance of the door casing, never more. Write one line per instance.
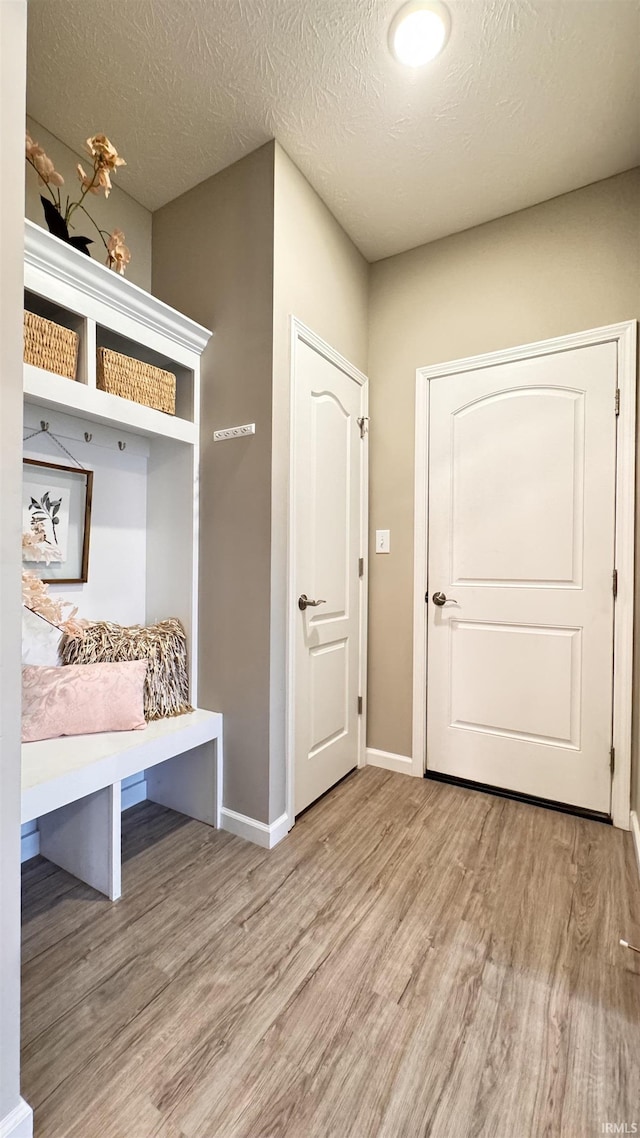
(299, 332)
(625, 337)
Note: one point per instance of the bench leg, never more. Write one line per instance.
(189, 783)
(84, 839)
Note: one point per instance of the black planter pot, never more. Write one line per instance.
(58, 226)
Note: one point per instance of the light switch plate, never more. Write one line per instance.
(383, 541)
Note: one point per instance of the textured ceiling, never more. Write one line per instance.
(530, 98)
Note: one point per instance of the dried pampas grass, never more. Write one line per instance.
(164, 645)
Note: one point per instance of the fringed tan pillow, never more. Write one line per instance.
(164, 645)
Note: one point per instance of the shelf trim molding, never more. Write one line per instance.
(55, 391)
(49, 255)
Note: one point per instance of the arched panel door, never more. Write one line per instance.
(521, 545)
(329, 528)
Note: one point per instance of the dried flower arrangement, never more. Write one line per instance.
(106, 161)
(35, 546)
(35, 594)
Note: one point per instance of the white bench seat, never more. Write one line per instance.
(72, 785)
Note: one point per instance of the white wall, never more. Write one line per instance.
(15, 1117)
(117, 545)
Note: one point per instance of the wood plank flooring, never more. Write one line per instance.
(415, 959)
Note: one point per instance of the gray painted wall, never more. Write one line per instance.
(240, 253)
(213, 259)
(563, 266)
(322, 279)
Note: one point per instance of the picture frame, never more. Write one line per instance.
(56, 503)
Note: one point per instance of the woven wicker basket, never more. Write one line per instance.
(50, 346)
(133, 379)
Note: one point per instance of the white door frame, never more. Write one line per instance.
(624, 335)
(299, 332)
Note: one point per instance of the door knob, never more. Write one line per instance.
(441, 599)
(305, 603)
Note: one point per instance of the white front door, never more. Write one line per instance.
(329, 535)
(522, 459)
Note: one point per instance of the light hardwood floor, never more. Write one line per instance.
(414, 959)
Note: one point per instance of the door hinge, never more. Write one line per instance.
(617, 400)
(363, 423)
(359, 705)
(361, 566)
(612, 759)
(615, 583)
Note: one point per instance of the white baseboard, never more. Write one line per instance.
(18, 1123)
(635, 834)
(29, 845)
(401, 764)
(258, 832)
(132, 795)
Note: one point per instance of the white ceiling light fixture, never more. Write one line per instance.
(419, 31)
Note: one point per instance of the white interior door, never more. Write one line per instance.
(329, 535)
(522, 460)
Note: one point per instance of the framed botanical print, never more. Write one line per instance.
(56, 512)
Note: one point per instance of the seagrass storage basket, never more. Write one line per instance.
(135, 380)
(50, 346)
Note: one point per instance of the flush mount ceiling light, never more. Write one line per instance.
(419, 31)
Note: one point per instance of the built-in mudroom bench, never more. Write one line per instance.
(72, 786)
(142, 565)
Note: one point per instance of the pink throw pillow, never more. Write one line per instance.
(82, 699)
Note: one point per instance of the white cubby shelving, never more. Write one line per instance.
(107, 310)
(145, 508)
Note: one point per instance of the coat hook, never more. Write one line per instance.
(87, 437)
(121, 445)
(44, 426)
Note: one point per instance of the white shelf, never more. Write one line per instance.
(73, 786)
(58, 771)
(61, 394)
